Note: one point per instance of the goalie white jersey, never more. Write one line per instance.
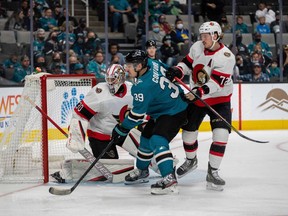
(103, 110)
(216, 65)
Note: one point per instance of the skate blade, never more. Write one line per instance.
(180, 176)
(173, 190)
(211, 186)
(139, 181)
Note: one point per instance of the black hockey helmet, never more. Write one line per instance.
(150, 43)
(137, 56)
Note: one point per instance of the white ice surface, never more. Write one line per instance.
(256, 178)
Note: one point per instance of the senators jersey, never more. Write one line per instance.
(103, 110)
(218, 68)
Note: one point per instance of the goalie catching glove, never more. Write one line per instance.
(119, 134)
(173, 72)
(76, 136)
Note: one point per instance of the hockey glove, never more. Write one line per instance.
(173, 72)
(199, 91)
(119, 134)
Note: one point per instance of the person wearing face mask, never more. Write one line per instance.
(169, 50)
(81, 29)
(40, 63)
(39, 42)
(51, 44)
(56, 60)
(92, 43)
(156, 34)
(225, 25)
(266, 51)
(180, 35)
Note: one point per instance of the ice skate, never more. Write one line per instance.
(137, 176)
(58, 177)
(167, 185)
(214, 182)
(188, 166)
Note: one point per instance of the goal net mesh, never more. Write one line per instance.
(31, 147)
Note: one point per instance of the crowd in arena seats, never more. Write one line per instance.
(256, 61)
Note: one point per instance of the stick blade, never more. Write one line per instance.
(59, 191)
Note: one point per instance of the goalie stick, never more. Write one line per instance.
(85, 153)
(63, 191)
(217, 114)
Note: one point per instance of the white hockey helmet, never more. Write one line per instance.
(115, 77)
(211, 27)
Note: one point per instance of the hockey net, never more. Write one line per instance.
(31, 146)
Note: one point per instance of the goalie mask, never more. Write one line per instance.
(115, 77)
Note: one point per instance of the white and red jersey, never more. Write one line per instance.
(218, 66)
(103, 110)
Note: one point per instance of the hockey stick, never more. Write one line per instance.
(85, 153)
(217, 114)
(59, 191)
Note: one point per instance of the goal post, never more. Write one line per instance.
(31, 147)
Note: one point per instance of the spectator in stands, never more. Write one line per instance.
(97, 66)
(39, 42)
(23, 70)
(225, 25)
(212, 9)
(180, 35)
(81, 30)
(56, 60)
(275, 25)
(156, 34)
(79, 69)
(73, 21)
(11, 62)
(169, 51)
(92, 43)
(15, 22)
(265, 11)
(41, 4)
(57, 69)
(25, 7)
(256, 76)
(266, 52)
(273, 70)
(257, 57)
(163, 24)
(113, 49)
(117, 8)
(240, 49)
(240, 25)
(72, 63)
(52, 44)
(3, 11)
(40, 63)
(285, 61)
(47, 22)
(242, 64)
(62, 36)
(57, 12)
(262, 27)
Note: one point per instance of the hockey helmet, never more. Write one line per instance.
(211, 27)
(115, 77)
(137, 56)
(150, 43)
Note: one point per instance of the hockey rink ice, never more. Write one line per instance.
(256, 178)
